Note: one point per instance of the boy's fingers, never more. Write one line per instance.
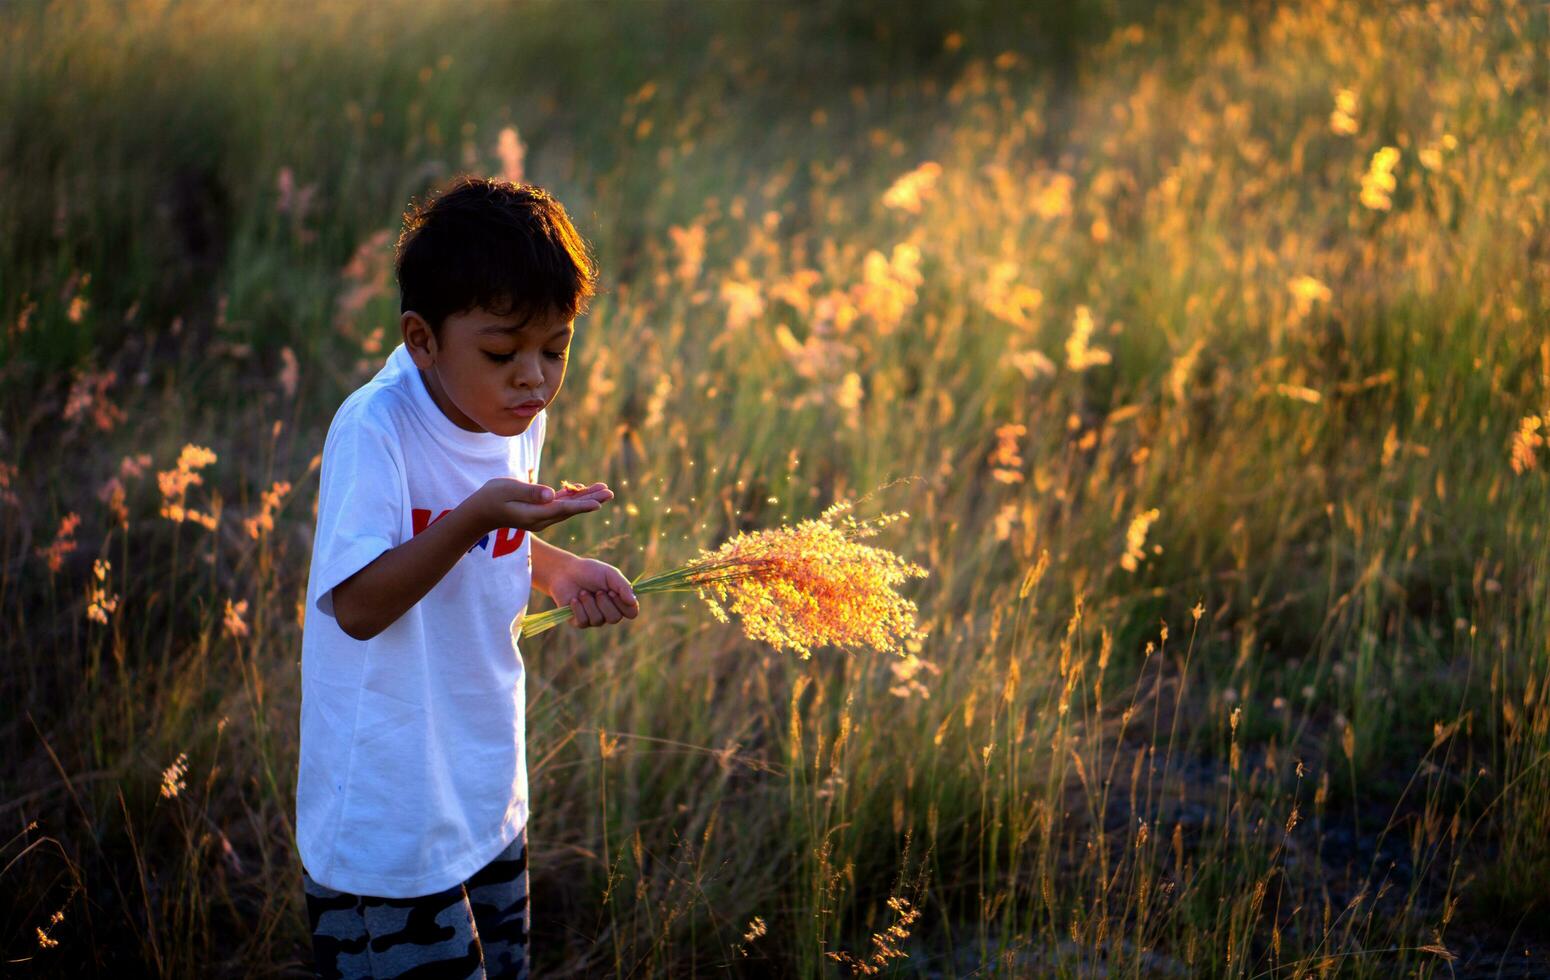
(595, 490)
(610, 611)
(557, 510)
(594, 617)
(630, 609)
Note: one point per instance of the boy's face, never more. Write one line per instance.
(484, 374)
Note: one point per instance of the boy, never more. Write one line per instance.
(412, 794)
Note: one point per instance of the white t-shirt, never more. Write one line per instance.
(413, 766)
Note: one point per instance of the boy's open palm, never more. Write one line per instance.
(532, 506)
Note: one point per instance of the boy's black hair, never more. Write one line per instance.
(505, 247)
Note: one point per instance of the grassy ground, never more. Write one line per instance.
(1223, 429)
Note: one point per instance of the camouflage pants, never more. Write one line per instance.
(474, 930)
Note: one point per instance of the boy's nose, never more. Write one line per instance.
(530, 374)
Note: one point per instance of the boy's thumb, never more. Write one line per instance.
(539, 494)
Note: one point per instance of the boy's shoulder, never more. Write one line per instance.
(379, 405)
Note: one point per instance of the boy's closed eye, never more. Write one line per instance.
(557, 355)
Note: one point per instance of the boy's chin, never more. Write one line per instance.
(510, 425)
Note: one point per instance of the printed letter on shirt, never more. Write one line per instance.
(507, 539)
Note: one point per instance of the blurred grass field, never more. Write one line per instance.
(1206, 346)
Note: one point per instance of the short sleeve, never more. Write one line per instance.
(360, 504)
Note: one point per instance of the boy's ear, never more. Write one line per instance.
(418, 339)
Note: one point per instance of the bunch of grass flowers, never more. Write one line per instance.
(796, 587)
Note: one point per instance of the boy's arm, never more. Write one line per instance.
(548, 559)
(372, 599)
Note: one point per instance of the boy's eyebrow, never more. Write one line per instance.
(484, 331)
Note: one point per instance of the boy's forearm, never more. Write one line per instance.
(373, 599)
(547, 559)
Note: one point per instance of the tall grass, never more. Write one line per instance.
(1240, 647)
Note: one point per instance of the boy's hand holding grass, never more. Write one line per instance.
(596, 592)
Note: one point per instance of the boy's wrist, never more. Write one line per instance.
(470, 515)
(549, 563)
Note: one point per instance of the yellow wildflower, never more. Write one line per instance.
(888, 288)
(172, 777)
(1006, 458)
(174, 484)
(1010, 300)
(98, 602)
(233, 623)
(1032, 364)
(256, 526)
(1080, 354)
(1378, 181)
(1528, 440)
(744, 302)
(907, 193)
(1306, 291)
(1135, 540)
(45, 941)
(1300, 393)
(689, 244)
(1343, 119)
(1052, 197)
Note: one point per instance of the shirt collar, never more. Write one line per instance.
(444, 429)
